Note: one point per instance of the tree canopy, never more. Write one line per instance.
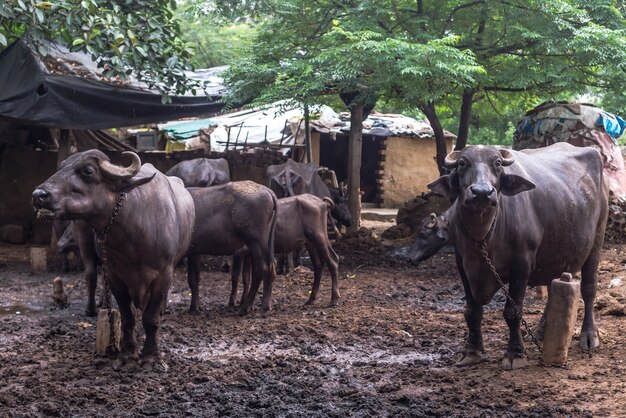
(137, 38)
(437, 56)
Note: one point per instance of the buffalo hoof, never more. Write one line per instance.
(309, 302)
(589, 340)
(513, 362)
(91, 312)
(125, 363)
(333, 304)
(243, 310)
(469, 358)
(154, 364)
(194, 311)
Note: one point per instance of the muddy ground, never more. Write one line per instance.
(388, 350)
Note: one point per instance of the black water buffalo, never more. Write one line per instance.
(147, 232)
(537, 214)
(432, 235)
(293, 178)
(78, 234)
(201, 172)
(301, 220)
(228, 217)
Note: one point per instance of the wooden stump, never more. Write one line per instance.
(59, 296)
(38, 259)
(103, 332)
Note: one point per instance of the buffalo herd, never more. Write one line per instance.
(517, 218)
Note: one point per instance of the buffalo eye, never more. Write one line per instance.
(88, 171)
(498, 163)
(462, 163)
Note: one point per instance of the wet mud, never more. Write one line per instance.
(388, 350)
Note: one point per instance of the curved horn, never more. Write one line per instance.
(117, 172)
(433, 221)
(507, 157)
(452, 159)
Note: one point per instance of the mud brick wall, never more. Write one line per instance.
(22, 169)
(251, 165)
(408, 167)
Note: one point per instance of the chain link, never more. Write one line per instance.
(485, 255)
(101, 238)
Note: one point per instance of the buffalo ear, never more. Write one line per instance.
(446, 185)
(131, 183)
(511, 184)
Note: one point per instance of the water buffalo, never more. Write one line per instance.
(293, 178)
(301, 220)
(201, 172)
(432, 235)
(78, 234)
(228, 217)
(146, 233)
(537, 214)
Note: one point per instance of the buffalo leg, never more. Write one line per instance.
(247, 272)
(318, 267)
(589, 336)
(515, 355)
(128, 346)
(151, 317)
(193, 278)
(261, 271)
(330, 257)
(234, 277)
(257, 276)
(91, 277)
(540, 327)
(85, 239)
(473, 350)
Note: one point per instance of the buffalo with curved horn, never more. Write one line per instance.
(147, 219)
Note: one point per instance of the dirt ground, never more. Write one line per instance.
(388, 350)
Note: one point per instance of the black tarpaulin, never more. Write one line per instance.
(29, 94)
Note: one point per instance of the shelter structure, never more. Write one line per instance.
(57, 104)
(397, 161)
(583, 125)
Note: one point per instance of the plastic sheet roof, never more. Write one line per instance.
(65, 90)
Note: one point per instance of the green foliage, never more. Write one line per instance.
(138, 38)
(218, 36)
(310, 50)
(511, 55)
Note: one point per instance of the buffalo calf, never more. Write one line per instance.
(301, 220)
(228, 217)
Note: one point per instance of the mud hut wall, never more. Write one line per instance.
(251, 165)
(409, 167)
(315, 147)
(22, 169)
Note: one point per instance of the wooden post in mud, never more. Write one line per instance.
(104, 345)
(59, 296)
(561, 314)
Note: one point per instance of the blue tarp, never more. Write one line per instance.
(612, 124)
(186, 129)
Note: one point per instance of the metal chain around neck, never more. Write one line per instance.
(101, 237)
(466, 232)
(485, 255)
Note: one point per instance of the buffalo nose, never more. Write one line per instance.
(40, 196)
(482, 190)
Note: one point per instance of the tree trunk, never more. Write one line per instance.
(307, 134)
(355, 143)
(442, 150)
(464, 122)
